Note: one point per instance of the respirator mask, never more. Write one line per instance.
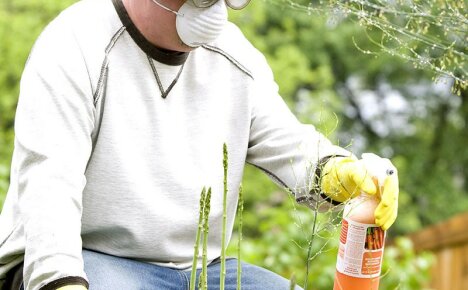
(200, 22)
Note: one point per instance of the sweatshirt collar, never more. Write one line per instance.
(165, 56)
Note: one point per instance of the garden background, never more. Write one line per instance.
(365, 91)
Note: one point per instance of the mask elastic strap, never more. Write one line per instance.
(167, 8)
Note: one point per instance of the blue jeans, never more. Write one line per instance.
(107, 272)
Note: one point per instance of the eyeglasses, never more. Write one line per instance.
(234, 4)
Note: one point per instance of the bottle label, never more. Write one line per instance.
(361, 249)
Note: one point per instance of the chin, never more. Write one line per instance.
(184, 47)
(177, 47)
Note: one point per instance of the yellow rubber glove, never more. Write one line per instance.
(343, 178)
(73, 287)
(387, 210)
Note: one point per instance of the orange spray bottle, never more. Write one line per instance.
(360, 252)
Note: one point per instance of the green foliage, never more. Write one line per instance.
(206, 228)
(428, 34)
(369, 103)
(4, 173)
(240, 209)
(222, 275)
(403, 268)
(201, 211)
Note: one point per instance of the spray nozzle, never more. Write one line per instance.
(379, 168)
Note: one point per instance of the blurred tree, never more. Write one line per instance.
(371, 103)
(379, 103)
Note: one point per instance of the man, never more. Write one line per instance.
(123, 110)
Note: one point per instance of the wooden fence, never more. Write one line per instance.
(449, 242)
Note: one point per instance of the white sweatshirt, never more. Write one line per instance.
(102, 161)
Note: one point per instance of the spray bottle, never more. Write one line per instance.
(360, 252)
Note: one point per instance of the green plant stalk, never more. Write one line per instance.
(193, 275)
(311, 242)
(200, 280)
(240, 209)
(292, 285)
(222, 275)
(206, 213)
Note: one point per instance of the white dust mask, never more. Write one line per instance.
(198, 26)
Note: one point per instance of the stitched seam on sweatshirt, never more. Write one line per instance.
(230, 58)
(274, 177)
(105, 63)
(10, 233)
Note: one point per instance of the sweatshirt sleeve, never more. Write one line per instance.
(288, 151)
(54, 121)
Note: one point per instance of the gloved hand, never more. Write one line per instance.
(387, 210)
(343, 178)
(72, 287)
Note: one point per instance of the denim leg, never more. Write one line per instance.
(253, 277)
(107, 272)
